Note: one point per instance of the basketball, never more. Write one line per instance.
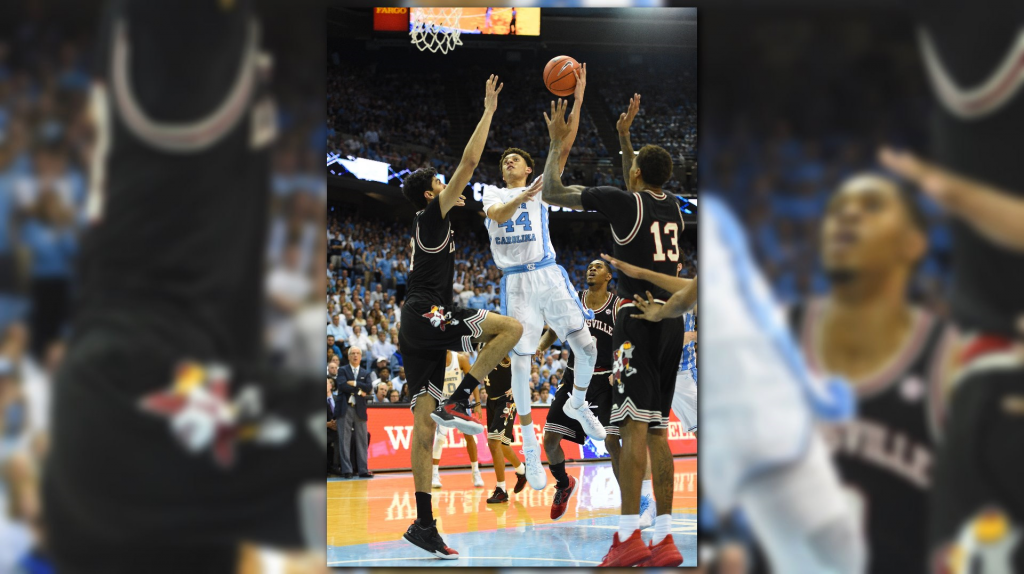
(559, 77)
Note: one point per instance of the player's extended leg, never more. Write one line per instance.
(478, 480)
(628, 548)
(499, 494)
(585, 351)
(423, 532)
(500, 334)
(531, 446)
(664, 552)
(614, 447)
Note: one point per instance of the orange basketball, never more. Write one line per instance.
(559, 77)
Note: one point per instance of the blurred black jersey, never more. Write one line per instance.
(646, 227)
(179, 190)
(885, 453)
(973, 59)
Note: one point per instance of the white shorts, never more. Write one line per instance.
(684, 401)
(541, 297)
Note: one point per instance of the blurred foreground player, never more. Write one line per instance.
(501, 416)
(560, 425)
(171, 443)
(761, 451)
(894, 354)
(978, 497)
(645, 223)
(431, 326)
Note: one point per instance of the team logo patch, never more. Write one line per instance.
(438, 318)
(621, 366)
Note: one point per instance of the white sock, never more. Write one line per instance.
(436, 468)
(521, 469)
(577, 398)
(646, 488)
(662, 527)
(476, 466)
(529, 436)
(501, 485)
(628, 523)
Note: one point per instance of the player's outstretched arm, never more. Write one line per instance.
(574, 116)
(503, 212)
(676, 306)
(452, 194)
(622, 126)
(994, 213)
(666, 282)
(554, 192)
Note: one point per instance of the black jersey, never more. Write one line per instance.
(884, 455)
(601, 328)
(499, 381)
(180, 182)
(432, 269)
(976, 127)
(646, 227)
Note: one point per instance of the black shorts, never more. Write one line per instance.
(599, 395)
(118, 478)
(501, 417)
(978, 465)
(646, 363)
(428, 332)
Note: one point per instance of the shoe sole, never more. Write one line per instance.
(633, 562)
(603, 435)
(467, 427)
(571, 492)
(431, 552)
(670, 564)
(497, 501)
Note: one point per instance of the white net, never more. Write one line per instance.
(436, 29)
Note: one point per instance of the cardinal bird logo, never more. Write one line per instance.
(199, 409)
(621, 367)
(438, 318)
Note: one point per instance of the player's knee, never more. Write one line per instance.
(551, 441)
(611, 444)
(585, 343)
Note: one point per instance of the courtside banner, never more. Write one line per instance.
(390, 429)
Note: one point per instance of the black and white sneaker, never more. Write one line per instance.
(456, 414)
(427, 538)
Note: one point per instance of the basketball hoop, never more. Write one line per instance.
(436, 29)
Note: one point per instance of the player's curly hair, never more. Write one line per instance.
(514, 150)
(416, 183)
(655, 165)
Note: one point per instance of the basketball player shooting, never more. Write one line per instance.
(535, 289)
(430, 327)
(645, 224)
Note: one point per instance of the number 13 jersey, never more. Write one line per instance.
(646, 227)
(523, 238)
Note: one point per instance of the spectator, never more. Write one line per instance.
(359, 340)
(337, 330)
(331, 346)
(381, 396)
(333, 455)
(545, 397)
(382, 348)
(394, 396)
(399, 380)
(50, 239)
(478, 300)
(535, 398)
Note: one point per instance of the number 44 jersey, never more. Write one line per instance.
(523, 239)
(646, 226)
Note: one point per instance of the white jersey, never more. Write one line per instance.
(758, 400)
(452, 375)
(523, 239)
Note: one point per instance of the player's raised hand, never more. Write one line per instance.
(649, 309)
(629, 269)
(558, 129)
(461, 201)
(491, 95)
(626, 118)
(531, 192)
(581, 81)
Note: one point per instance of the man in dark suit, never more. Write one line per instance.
(354, 386)
(333, 450)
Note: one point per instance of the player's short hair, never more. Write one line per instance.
(514, 150)
(655, 165)
(416, 183)
(607, 267)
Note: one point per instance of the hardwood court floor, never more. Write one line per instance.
(366, 520)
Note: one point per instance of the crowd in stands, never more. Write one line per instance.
(403, 118)
(367, 276)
